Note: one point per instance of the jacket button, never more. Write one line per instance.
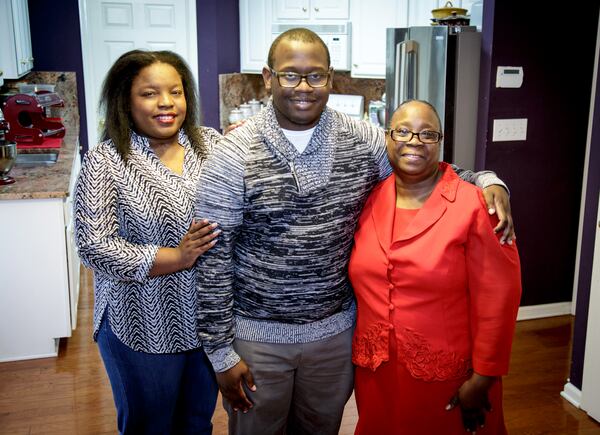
(391, 307)
(391, 286)
(390, 326)
(390, 266)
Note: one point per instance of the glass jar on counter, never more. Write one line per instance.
(235, 115)
(246, 110)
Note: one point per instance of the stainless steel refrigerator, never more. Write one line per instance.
(439, 64)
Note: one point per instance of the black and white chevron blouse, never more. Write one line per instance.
(123, 214)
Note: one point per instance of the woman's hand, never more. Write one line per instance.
(233, 126)
(472, 397)
(231, 386)
(497, 201)
(199, 239)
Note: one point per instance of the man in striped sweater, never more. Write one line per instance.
(287, 187)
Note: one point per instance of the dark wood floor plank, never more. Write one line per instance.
(71, 394)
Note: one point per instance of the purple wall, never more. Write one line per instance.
(56, 45)
(218, 51)
(544, 172)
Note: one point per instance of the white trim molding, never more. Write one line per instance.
(572, 394)
(544, 310)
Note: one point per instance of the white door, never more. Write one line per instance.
(110, 28)
(590, 390)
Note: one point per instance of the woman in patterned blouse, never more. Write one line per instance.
(135, 229)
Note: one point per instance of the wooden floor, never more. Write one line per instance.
(71, 394)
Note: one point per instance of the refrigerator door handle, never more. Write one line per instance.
(405, 71)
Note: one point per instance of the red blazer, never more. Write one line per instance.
(446, 287)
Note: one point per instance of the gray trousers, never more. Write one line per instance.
(300, 388)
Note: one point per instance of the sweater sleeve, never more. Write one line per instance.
(374, 138)
(220, 199)
(481, 179)
(99, 243)
(494, 279)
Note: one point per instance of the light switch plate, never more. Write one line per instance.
(509, 129)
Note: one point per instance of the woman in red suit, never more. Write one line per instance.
(437, 294)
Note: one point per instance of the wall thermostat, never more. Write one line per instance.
(509, 77)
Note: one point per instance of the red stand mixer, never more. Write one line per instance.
(27, 116)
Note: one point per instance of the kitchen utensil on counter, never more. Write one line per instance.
(8, 153)
(29, 124)
(376, 111)
(235, 116)
(34, 88)
(447, 11)
(452, 20)
(8, 156)
(255, 105)
(246, 110)
(353, 105)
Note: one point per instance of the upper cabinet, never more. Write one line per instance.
(369, 23)
(284, 10)
(16, 56)
(255, 34)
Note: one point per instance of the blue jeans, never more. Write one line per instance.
(158, 393)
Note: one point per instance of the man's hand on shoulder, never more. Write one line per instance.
(497, 201)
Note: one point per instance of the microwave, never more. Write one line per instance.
(336, 36)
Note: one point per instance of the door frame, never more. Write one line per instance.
(91, 100)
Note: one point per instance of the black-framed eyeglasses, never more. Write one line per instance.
(405, 135)
(289, 79)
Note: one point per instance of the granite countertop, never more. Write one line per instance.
(44, 181)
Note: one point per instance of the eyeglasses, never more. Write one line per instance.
(289, 79)
(405, 135)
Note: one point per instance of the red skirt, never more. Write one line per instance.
(391, 401)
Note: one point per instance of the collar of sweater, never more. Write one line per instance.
(322, 141)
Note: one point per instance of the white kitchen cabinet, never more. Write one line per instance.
(310, 10)
(39, 278)
(419, 11)
(16, 56)
(255, 34)
(369, 23)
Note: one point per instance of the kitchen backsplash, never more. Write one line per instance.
(235, 89)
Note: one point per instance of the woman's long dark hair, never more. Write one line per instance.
(115, 98)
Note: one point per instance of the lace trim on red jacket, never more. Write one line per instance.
(423, 362)
(371, 348)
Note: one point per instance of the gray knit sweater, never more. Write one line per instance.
(278, 272)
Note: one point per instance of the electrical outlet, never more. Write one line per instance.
(509, 129)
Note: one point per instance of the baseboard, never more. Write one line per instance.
(544, 310)
(572, 394)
